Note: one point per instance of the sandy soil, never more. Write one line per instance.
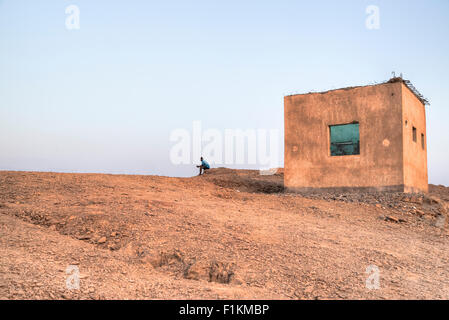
(227, 234)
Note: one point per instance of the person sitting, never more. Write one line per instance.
(204, 166)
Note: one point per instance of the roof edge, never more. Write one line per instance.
(407, 83)
(412, 88)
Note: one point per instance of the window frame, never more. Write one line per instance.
(423, 143)
(329, 141)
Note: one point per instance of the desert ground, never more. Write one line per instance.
(229, 234)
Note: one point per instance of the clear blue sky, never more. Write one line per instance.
(105, 98)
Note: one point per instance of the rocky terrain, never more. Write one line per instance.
(227, 234)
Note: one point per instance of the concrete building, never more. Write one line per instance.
(370, 138)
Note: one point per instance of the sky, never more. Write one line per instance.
(106, 97)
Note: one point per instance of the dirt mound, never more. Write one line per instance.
(439, 191)
(423, 206)
(227, 234)
(246, 180)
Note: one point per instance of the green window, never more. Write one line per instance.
(345, 139)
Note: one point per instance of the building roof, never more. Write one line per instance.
(412, 88)
(407, 83)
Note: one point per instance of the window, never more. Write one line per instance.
(422, 141)
(345, 139)
(414, 134)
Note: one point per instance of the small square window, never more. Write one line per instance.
(345, 139)
(423, 145)
(414, 134)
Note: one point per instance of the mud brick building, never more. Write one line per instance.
(370, 138)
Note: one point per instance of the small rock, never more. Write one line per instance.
(308, 289)
(114, 246)
(298, 294)
(102, 240)
(391, 219)
(419, 212)
(416, 200)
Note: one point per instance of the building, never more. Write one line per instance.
(370, 138)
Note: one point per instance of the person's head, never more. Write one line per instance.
(201, 159)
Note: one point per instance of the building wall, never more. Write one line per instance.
(308, 164)
(415, 157)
